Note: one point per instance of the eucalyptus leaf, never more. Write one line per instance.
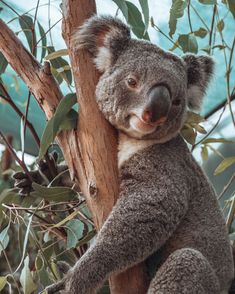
(145, 9)
(3, 282)
(201, 33)
(217, 140)
(56, 194)
(123, 7)
(26, 279)
(189, 135)
(220, 47)
(188, 43)
(65, 220)
(136, 22)
(74, 229)
(4, 239)
(27, 25)
(64, 118)
(3, 63)
(43, 37)
(208, 2)
(176, 12)
(204, 153)
(220, 25)
(56, 54)
(193, 117)
(59, 63)
(231, 5)
(227, 162)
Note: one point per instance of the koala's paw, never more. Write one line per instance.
(24, 182)
(55, 288)
(70, 284)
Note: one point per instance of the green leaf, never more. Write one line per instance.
(227, 162)
(218, 140)
(206, 49)
(200, 129)
(145, 9)
(201, 33)
(3, 63)
(176, 11)
(26, 23)
(87, 238)
(65, 220)
(58, 64)
(74, 230)
(56, 54)
(136, 22)
(26, 279)
(220, 25)
(56, 194)
(208, 2)
(189, 135)
(123, 7)
(193, 117)
(4, 239)
(43, 37)
(204, 153)
(231, 5)
(64, 118)
(188, 43)
(39, 263)
(220, 47)
(3, 281)
(69, 121)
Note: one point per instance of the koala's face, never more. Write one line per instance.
(144, 91)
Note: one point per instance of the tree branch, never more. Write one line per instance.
(91, 153)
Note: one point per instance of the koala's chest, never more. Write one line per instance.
(127, 147)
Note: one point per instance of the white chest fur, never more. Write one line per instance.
(129, 146)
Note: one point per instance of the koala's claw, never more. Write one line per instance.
(55, 288)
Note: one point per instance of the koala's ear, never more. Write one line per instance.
(104, 37)
(199, 72)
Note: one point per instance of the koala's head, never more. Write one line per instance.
(144, 91)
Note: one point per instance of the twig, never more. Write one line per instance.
(227, 186)
(10, 268)
(9, 100)
(43, 36)
(20, 162)
(199, 16)
(25, 121)
(212, 129)
(165, 35)
(212, 27)
(189, 17)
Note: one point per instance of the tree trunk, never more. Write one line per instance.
(91, 150)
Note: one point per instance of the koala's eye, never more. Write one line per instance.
(131, 82)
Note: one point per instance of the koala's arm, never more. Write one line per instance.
(140, 223)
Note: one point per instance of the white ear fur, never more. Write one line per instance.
(199, 71)
(195, 96)
(103, 59)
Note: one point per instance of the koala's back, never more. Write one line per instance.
(202, 227)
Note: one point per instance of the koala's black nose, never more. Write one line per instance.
(158, 105)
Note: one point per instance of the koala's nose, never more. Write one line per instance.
(158, 105)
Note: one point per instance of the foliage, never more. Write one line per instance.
(52, 222)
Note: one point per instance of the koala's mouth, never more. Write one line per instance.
(140, 126)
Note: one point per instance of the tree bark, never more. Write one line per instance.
(91, 150)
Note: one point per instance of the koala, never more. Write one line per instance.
(166, 205)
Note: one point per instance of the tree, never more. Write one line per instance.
(90, 150)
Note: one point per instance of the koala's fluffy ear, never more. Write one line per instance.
(199, 71)
(104, 37)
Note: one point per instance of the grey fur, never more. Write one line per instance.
(166, 204)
